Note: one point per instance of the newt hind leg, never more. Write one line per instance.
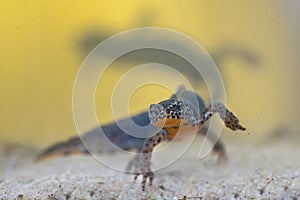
(219, 146)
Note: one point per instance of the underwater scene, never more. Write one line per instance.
(149, 99)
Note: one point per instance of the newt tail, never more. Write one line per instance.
(72, 146)
(95, 141)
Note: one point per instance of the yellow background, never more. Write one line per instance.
(41, 51)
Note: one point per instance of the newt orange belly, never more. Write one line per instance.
(177, 127)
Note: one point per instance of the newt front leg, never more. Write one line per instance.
(230, 120)
(141, 163)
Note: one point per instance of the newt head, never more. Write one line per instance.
(166, 113)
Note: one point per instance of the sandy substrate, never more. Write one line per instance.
(265, 171)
